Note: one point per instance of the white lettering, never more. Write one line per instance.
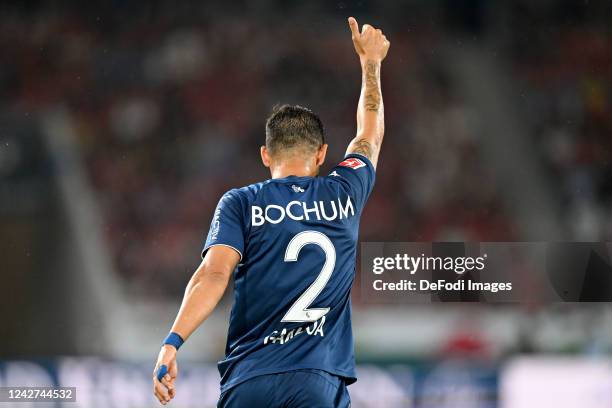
(257, 216)
(319, 330)
(345, 211)
(290, 214)
(333, 205)
(329, 211)
(314, 209)
(313, 329)
(275, 207)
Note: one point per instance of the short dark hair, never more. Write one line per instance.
(293, 126)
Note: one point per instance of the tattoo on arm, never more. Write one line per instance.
(372, 90)
(363, 147)
(370, 114)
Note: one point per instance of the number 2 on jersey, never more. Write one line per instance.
(299, 312)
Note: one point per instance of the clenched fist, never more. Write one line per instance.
(371, 43)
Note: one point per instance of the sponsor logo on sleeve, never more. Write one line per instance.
(353, 163)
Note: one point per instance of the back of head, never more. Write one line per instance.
(293, 130)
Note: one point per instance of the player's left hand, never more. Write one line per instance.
(370, 43)
(164, 390)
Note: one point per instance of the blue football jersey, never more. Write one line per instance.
(297, 238)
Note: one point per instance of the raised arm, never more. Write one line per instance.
(371, 46)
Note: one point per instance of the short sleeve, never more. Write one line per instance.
(357, 174)
(227, 226)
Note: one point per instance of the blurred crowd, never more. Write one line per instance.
(169, 109)
(564, 64)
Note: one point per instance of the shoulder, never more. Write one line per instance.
(355, 161)
(246, 194)
(355, 175)
(353, 165)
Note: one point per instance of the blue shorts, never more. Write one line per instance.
(291, 389)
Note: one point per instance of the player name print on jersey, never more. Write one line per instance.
(313, 329)
(300, 210)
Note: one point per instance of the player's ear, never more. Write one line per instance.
(265, 156)
(321, 154)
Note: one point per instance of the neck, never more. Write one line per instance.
(297, 168)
